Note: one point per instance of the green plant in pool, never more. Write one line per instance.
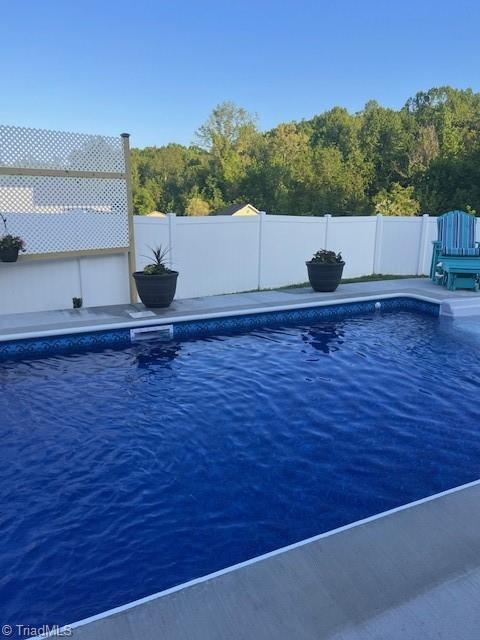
(323, 256)
(158, 266)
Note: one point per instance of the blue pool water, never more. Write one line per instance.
(128, 471)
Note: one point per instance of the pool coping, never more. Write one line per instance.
(94, 319)
(170, 320)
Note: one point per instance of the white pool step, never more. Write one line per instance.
(461, 307)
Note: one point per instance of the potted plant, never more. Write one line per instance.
(325, 270)
(10, 245)
(156, 284)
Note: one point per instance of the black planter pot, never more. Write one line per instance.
(9, 255)
(156, 290)
(325, 276)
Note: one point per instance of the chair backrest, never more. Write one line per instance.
(456, 230)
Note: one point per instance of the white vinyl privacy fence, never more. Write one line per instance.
(68, 196)
(225, 254)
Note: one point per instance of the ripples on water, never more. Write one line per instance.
(127, 472)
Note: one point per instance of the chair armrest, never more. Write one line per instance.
(437, 243)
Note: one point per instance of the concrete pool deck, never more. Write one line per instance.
(44, 323)
(409, 574)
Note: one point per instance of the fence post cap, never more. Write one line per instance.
(125, 135)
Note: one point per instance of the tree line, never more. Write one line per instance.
(422, 158)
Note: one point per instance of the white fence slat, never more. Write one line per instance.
(224, 254)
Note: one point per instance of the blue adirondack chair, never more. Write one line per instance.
(456, 255)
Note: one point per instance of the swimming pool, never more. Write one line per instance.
(128, 470)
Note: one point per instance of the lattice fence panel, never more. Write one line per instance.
(44, 149)
(59, 214)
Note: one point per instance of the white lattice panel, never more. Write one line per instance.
(58, 214)
(44, 149)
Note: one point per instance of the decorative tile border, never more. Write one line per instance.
(17, 349)
(40, 347)
(213, 326)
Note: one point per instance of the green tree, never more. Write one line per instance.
(225, 127)
(454, 113)
(396, 201)
(385, 141)
(336, 128)
(452, 183)
(143, 201)
(426, 154)
(229, 135)
(197, 206)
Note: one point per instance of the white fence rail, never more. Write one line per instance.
(225, 254)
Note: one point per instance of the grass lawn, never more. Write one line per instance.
(371, 278)
(377, 276)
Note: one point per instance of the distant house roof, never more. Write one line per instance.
(237, 210)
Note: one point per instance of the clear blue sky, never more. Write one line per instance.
(157, 68)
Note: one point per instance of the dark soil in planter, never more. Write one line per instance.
(325, 276)
(9, 255)
(156, 290)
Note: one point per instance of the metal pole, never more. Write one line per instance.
(131, 236)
